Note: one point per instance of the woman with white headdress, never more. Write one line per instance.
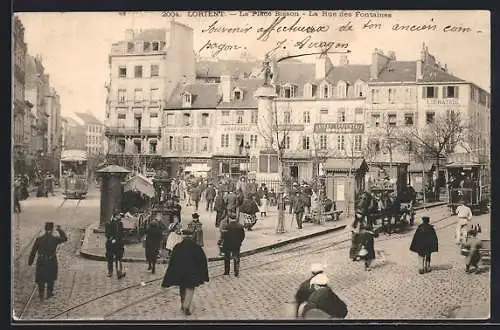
(323, 302)
(174, 237)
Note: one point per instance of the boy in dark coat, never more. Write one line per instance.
(46, 264)
(424, 242)
(232, 237)
(154, 237)
(474, 256)
(188, 268)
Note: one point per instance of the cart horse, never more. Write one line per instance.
(384, 211)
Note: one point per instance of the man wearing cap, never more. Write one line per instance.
(232, 237)
(305, 288)
(323, 302)
(464, 215)
(210, 194)
(196, 227)
(114, 244)
(188, 268)
(46, 264)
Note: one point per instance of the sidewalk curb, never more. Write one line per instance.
(100, 257)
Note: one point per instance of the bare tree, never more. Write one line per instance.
(351, 150)
(276, 134)
(440, 137)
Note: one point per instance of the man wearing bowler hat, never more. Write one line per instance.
(46, 264)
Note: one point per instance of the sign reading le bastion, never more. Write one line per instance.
(348, 128)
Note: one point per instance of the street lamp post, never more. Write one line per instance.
(247, 158)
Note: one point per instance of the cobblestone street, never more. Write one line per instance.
(268, 281)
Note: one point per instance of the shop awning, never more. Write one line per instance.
(140, 183)
(417, 167)
(197, 168)
(344, 164)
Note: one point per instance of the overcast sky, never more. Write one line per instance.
(75, 46)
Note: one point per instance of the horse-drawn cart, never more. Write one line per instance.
(384, 211)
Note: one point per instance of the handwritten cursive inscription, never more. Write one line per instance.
(276, 26)
(215, 27)
(219, 47)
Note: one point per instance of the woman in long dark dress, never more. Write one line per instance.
(188, 268)
(424, 242)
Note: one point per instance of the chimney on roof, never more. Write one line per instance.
(323, 66)
(379, 62)
(445, 69)
(344, 60)
(129, 34)
(225, 82)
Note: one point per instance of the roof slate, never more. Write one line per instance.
(205, 69)
(88, 118)
(248, 87)
(203, 96)
(151, 35)
(397, 71)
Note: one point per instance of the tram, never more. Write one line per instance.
(74, 173)
(469, 182)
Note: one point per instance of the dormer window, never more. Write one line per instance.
(289, 91)
(186, 100)
(238, 95)
(156, 46)
(358, 90)
(325, 91)
(341, 89)
(308, 90)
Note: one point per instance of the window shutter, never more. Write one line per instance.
(445, 92)
(457, 88)
(179, 143)
(198, 119)
(209, 144)
(436, 90)
(424, 92)
(197, 143)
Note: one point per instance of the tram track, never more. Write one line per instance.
(145, 291)
(28, 247)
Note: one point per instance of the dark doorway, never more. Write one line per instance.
(294, 171)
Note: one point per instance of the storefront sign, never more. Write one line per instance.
(237, 128)
(442, 102)
(290, 127)
(349, 128)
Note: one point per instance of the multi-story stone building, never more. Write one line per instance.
(411, 94)
(74, 133)
(145, 69)
(19, 105)
(94, 133)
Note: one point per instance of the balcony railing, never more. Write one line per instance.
(136, 103)
(143, 131)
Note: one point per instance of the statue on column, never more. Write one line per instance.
(266, 68)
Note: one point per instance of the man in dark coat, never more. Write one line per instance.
(252, 188)
(115, 245)
(210, 197)
(232, 238)
(188, 268)
(305, 288)
(424, 242)
(323, 302)
(231, 201)
(46, 264)
(154, 237)
(196, 196)
(298, 209)
(220, 208)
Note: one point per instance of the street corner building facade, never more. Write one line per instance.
(37, 121)
(210, 115)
